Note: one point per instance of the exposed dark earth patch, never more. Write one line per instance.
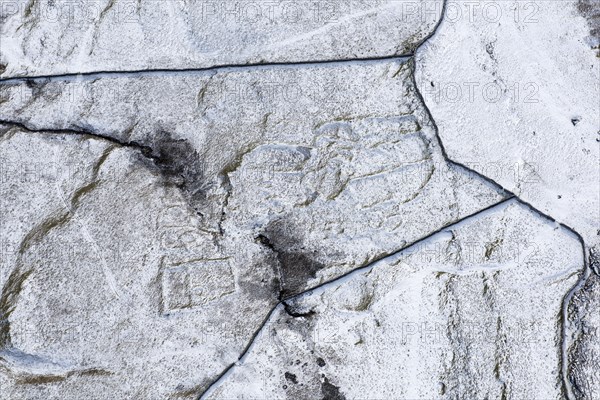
(297, 266)
(590, 9)
(291, 378)
(330, 391)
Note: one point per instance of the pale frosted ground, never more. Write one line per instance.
(367, 199)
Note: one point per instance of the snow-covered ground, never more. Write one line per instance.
(374, 199)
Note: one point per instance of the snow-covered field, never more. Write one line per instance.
(299, 199)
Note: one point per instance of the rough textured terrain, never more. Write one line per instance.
(385, 199)
(460, 320)
(514, 91)
(340, 174)
(108, 274)
(516, 121)
(42, 37)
